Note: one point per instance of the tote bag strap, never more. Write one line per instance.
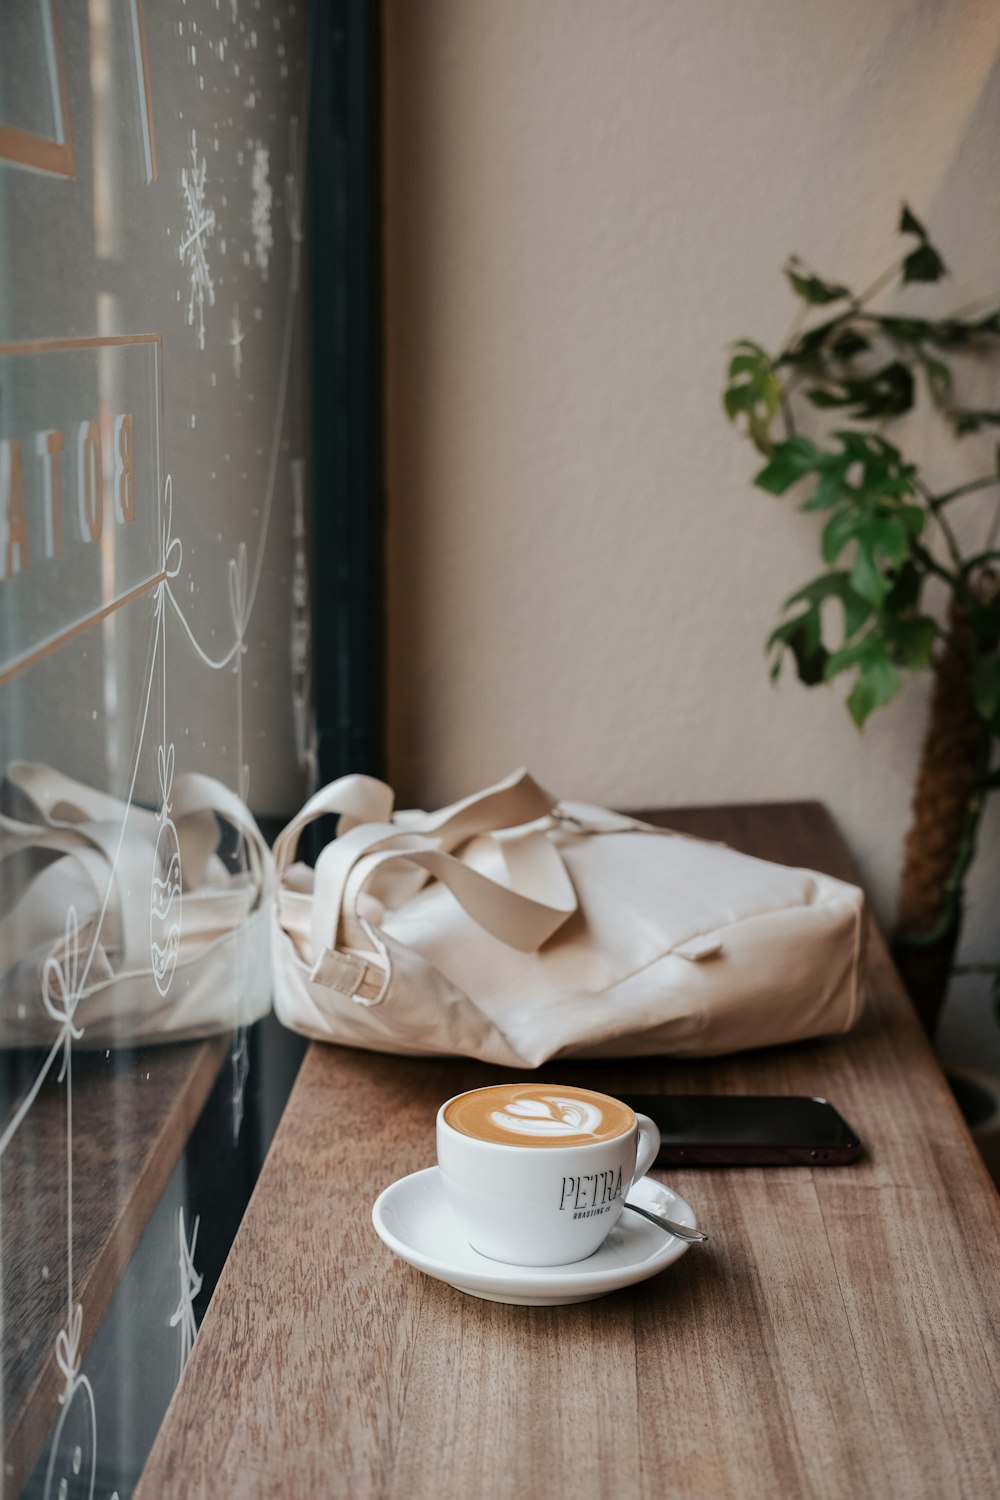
(59, 801)
(112, 863)
(523, 914)
(358, 800)
(197, 803)
(355, 799)
(511, 803)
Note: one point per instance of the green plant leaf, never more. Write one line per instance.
(810, 287)
(830, 586)
(886, 393)
(848, 656)
(878, 681)
(805, 352)
(914, 518)
(827, 492)
(790, 461)
(905, 591)
(986, 687)
(939, 380)
(745, 364)
(838, 531)
(866, 578)
(910, 224)
(968, 420)
(856, 611)
(924, 264)
(889, 537)
(753, 391)
(801, 636)
(849, 344)
(913, 640)
(908, 330)
(825, 398)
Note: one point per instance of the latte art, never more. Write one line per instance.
(551, 1115)
(536, 1114)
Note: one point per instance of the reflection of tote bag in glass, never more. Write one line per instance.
(514, 929)
(128, 923)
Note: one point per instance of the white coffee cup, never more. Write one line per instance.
(544, 1196)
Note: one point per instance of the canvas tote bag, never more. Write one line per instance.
(516, 929)
(126, 924)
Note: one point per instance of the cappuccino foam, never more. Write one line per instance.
(538, 1114)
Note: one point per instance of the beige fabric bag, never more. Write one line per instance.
(513, 929)
(123, 924)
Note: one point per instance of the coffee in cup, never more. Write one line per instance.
(537, 1173)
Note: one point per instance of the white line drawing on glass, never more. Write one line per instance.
(301, 631)
(293, 208)
(72, 1465)
(165, 892)
(260, 209)
(240, 1056)
(73, 1448)
(199, 225)
(190, 1285)
(74, 1442)
(236, 337)
(239, 1060)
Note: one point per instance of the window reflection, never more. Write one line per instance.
(154, 687)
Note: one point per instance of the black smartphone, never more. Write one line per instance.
(747, 1130)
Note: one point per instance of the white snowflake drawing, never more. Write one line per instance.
(199, 226)
(237, 335)
(260, 214)
(183, 1316)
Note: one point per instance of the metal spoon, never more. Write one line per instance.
(681, 1231)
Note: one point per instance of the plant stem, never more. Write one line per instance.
(933, 566)
(786, 412)
(801, 313)
(994, 530)
(853, 307)
(991, 555)
(880, 281)
(951, 541)
(987, 482)
(971, 307)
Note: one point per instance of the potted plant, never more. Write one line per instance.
(856, 368)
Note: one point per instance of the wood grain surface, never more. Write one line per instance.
(132, 1115)
(837, 1338)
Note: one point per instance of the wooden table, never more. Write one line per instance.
(838, 1337)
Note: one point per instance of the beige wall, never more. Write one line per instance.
(585, 202)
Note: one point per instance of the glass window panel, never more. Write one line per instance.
(29, 73)
(155, 535)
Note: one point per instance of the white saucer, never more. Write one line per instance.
(415, 1220)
